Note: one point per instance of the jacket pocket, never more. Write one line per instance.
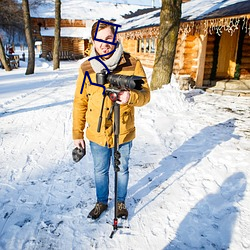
(127, 120)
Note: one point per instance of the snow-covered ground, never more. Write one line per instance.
(189, 170)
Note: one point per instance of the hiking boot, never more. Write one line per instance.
(122, 211)
(97, 210)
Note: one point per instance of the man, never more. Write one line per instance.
(87, 106)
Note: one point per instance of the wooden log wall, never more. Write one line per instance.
(66, 44)
(190, 56)
(50, 22)
(73, 45)
(185, 62)
(146, 59)
(79, 46)
(47, 45)
(186, 55)
(178, 61)
(131, 46)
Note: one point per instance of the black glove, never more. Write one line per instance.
(78, 153)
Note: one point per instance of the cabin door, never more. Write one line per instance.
(227, 55)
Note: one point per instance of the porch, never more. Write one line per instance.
(231, 87)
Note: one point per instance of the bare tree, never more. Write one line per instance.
(168, 34)
(11, 16)
(28, 33)
(3, 57)
(11, 24)
(56, 59)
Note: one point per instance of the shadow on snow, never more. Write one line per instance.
(190, 153)
(207, 213)
(210, 223)
(23, 110)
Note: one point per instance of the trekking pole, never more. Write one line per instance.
(117, 156)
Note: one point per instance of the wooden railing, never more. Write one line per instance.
(64, 55)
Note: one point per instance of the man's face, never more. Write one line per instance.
(102, 47)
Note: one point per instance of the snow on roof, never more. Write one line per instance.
(149, 19)
(80, 32)
(192, 10)
(85, 10)
(197, 9)
(138, 2)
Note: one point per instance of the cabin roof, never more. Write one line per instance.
(85, 10)
(194, 10)
(79, 32)
(209, 9)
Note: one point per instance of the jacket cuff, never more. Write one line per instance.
(77, 135)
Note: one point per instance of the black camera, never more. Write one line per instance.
(121, 82)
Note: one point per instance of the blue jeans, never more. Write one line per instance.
(102, 158)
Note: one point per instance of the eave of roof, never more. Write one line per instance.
(73, 32)
(194, 10)
(236, 9)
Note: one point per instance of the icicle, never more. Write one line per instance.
(206, 27)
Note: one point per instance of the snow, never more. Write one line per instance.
(151, 3)
(197, 9)
(189, 169)
(145, 20)
(94, 10)
(87, 10)
(192, 10)
(81, 32)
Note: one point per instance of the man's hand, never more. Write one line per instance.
(123, 97)
(79, 143)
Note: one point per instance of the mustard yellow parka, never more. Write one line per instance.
(87, 106)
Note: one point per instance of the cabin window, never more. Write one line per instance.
(146, 45)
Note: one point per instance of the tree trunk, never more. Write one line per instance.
(56, 59)
(28, 33)
(3, 57)
(168, 34)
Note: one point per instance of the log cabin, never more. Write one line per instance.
(213, 41)
(77, 19)
(74, 37)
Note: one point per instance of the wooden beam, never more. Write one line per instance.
(201, 60)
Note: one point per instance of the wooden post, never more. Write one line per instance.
(140, 42)
(201, 60)
(145, 45)
(149, 45)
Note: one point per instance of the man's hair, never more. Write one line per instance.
(102, 25)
